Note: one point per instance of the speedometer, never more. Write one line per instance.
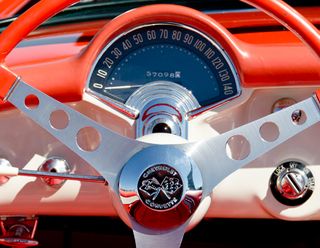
(164, 52)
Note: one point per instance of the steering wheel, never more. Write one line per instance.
(189, 171)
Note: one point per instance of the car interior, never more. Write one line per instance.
(158, 123)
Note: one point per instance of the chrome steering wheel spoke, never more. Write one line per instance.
(112, 150)
(214, 158)
(145, 238)
(184, 173)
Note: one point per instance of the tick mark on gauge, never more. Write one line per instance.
(122, 87)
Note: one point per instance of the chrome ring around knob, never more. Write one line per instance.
(292, 183)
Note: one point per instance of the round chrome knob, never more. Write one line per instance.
(292, 183)
(55, 165)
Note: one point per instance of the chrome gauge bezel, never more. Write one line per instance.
(133, 113)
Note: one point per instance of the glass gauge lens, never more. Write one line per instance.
(164, 52)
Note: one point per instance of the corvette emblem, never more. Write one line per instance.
(160, 187)
(168, 186)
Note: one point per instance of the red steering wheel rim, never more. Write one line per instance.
(45, 9)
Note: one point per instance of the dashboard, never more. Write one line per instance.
(220, 82)
(152, 71)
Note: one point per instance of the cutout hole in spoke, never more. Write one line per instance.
(88, 139)
(298, 117)
(59, 119)
(238, 147)
(269, 131)
(31, 102)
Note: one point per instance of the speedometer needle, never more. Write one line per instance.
(123, 87)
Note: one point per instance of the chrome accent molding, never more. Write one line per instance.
(162, 102)
(181, 96)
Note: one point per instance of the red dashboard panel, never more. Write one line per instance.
(264, 58)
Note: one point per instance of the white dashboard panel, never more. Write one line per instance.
(244, 194)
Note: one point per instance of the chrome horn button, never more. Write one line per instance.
(160, 187)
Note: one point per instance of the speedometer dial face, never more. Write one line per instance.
(164, 52)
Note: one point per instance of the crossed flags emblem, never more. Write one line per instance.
(153, 187)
